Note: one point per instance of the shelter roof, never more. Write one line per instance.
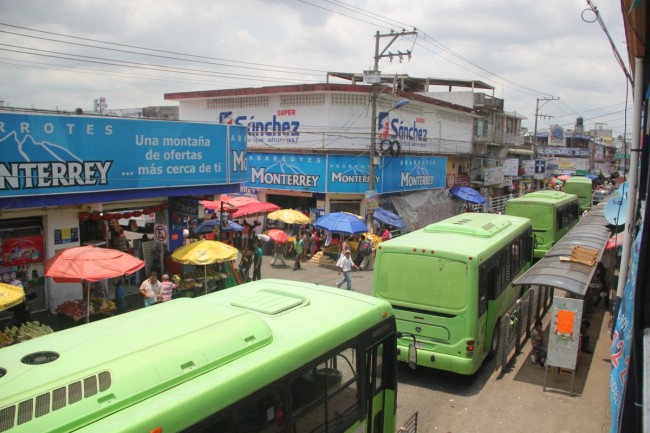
(590, 232)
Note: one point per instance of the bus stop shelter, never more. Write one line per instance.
(559, 269)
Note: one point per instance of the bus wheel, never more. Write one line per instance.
(496, 338)
(133, 225)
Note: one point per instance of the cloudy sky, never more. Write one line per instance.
(67, 53)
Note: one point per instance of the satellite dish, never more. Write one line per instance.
(624, 188)
(616, 210)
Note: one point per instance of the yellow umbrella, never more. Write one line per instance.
(10, 295)
(289, 216)
(204, 252)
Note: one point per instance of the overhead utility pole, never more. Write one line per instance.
(374, 77)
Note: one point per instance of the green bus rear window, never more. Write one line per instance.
(422, 280)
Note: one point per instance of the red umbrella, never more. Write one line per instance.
(253, 208)
(278, 236)
(216, 205)
(564, 177)
(90, 263)
(615, 241)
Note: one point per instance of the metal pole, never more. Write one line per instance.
(373, 118)
(632, 178)
(373, 139)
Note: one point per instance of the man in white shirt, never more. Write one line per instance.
(345, 265)
(150, 289)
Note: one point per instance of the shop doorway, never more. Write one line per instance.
(302, 204)
(351, 206)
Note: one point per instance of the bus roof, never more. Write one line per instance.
(144, 352)
(467, 234)
(578, 179)
(545, 196)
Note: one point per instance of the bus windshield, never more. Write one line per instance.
(448, 291)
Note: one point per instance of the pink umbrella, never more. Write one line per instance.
(278, 236)
(564, 177)
(615, 241)
(254, 208)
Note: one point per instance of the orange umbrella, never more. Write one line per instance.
(238, 200)
(278, 236)
(90, 263)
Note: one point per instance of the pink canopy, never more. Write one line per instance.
(89, 263)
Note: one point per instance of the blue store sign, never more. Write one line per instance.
(344, 173)
(44, 154)
(411, 173)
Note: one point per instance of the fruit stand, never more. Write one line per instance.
(193, 281)
(27, 331)
(71, 312)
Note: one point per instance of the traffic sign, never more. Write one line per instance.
(160, 233)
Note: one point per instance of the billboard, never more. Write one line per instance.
(63, 154)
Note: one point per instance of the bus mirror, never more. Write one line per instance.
(413, 356)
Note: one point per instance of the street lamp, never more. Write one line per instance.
(373, 136)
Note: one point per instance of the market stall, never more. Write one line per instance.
(214, 257)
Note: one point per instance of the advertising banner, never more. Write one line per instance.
(51, 154)
(411, 173)
(22, 250)
(287, 171)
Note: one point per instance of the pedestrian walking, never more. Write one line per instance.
(257, 261)
(345, 265)
(278, 254)
(298, 248)
(365, 250)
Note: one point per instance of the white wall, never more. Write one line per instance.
(62, 218)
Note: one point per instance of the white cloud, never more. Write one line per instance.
(526, 49)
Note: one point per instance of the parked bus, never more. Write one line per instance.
(582, 187)
(266, 356)
(552, 213)
(450, 283)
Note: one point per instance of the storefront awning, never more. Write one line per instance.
(554, 271)
(520, 151)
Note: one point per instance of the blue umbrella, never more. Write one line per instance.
(388, 218)
(468, 194)
(591, 176)
(207, 226)
(341, 222)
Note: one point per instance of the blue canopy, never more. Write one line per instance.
(468, 194)
(341, 222)
(207, 226)
(388, 218)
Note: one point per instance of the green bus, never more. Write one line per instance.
(266, 356)
(582, 187)
(449, 284)
(552, 213)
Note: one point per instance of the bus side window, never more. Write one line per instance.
(328, 391)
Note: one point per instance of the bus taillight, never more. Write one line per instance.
(469, 348)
